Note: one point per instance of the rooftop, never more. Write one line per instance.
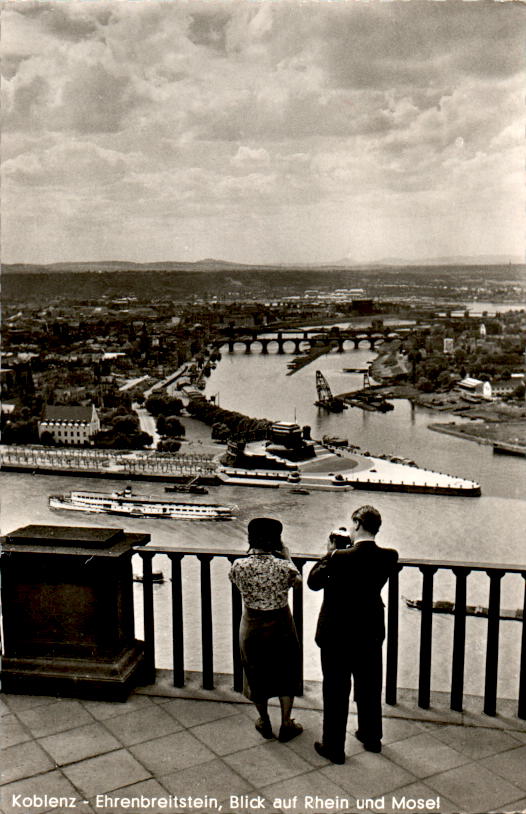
(158, 746)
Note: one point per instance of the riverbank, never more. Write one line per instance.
(484, 432)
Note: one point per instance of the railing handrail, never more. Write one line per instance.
(409, 562)
(460, 569)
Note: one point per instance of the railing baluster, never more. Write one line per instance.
(148, 616)
(206, 622)
(177, 620)
(237, 606)
(297, 612)
(391, 674)
(492, 646)
(521, 710)
(459, 640)
(426, 636)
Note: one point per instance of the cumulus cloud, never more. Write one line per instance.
(171, 111)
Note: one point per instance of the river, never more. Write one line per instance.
(485, 529)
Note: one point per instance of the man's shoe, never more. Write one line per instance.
(264, 728)
(289, 730)
(328, 755)
(369, 746)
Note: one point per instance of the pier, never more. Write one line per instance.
(107, 463)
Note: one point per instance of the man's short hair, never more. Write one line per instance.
(369, 518)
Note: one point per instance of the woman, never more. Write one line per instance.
(268, 641)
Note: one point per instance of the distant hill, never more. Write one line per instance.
(211, 264)
(120, 265)
(482, 260)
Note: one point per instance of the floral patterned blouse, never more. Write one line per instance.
(264, 580)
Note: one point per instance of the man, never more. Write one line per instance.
(350, 633)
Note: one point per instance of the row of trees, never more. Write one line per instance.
(227, 424)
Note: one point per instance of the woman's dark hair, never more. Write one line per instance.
(265, 533)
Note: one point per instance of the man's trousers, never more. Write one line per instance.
(340, 665)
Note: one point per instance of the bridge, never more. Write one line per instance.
(292, 340)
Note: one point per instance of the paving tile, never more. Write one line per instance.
(142, 725)
(228, 735)
(475, 742)
(192, 713)
(4, 709)
(516, 807)
(12, 731)
(177, 751)
(307, 793)
(397, 729)
(146, 792)
(269, 762)
(520, 736)
(101, 710)
(474, 788)
(368, 775)
(418, 791)
(106, 772)
(17, 703)
(53, 718)
(511, 765)
(77, 744)
(24, 760)
(52, 784)
(423, 755)
(214, 779)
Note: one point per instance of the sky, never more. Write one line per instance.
(262, 131)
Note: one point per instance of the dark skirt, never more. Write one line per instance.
(270, 653)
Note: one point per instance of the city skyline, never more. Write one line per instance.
(262, 133)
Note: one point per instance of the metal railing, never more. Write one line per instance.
(428, 568)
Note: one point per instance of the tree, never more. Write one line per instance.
(169, 445)
(174, 427)
(125, 424)
(47, 439)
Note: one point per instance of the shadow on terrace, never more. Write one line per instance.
(88, 720)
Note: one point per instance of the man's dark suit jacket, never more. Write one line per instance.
(352, 610)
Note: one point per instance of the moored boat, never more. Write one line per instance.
(129, 504)
(445, 606)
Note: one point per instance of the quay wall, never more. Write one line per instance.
(205, 480)
(417, 488)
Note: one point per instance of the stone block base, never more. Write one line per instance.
(77, 678)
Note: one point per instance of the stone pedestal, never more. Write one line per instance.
(67, 599)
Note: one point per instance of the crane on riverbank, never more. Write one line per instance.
(325, 397)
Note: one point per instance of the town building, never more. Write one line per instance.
(69, 424)
(475, 387)
(449, 345)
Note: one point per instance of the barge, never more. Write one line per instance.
(131, 505)
(445, 606)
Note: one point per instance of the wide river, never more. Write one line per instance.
(485, 529)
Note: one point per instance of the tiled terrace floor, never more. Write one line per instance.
(158, 746)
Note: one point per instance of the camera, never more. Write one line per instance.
(340, 537)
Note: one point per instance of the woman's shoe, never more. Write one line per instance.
(264, 728)
(289, 730)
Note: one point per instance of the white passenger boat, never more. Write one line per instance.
(126, 503)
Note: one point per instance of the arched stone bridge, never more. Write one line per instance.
(290, 340)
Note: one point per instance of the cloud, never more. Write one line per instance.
(171, 112)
